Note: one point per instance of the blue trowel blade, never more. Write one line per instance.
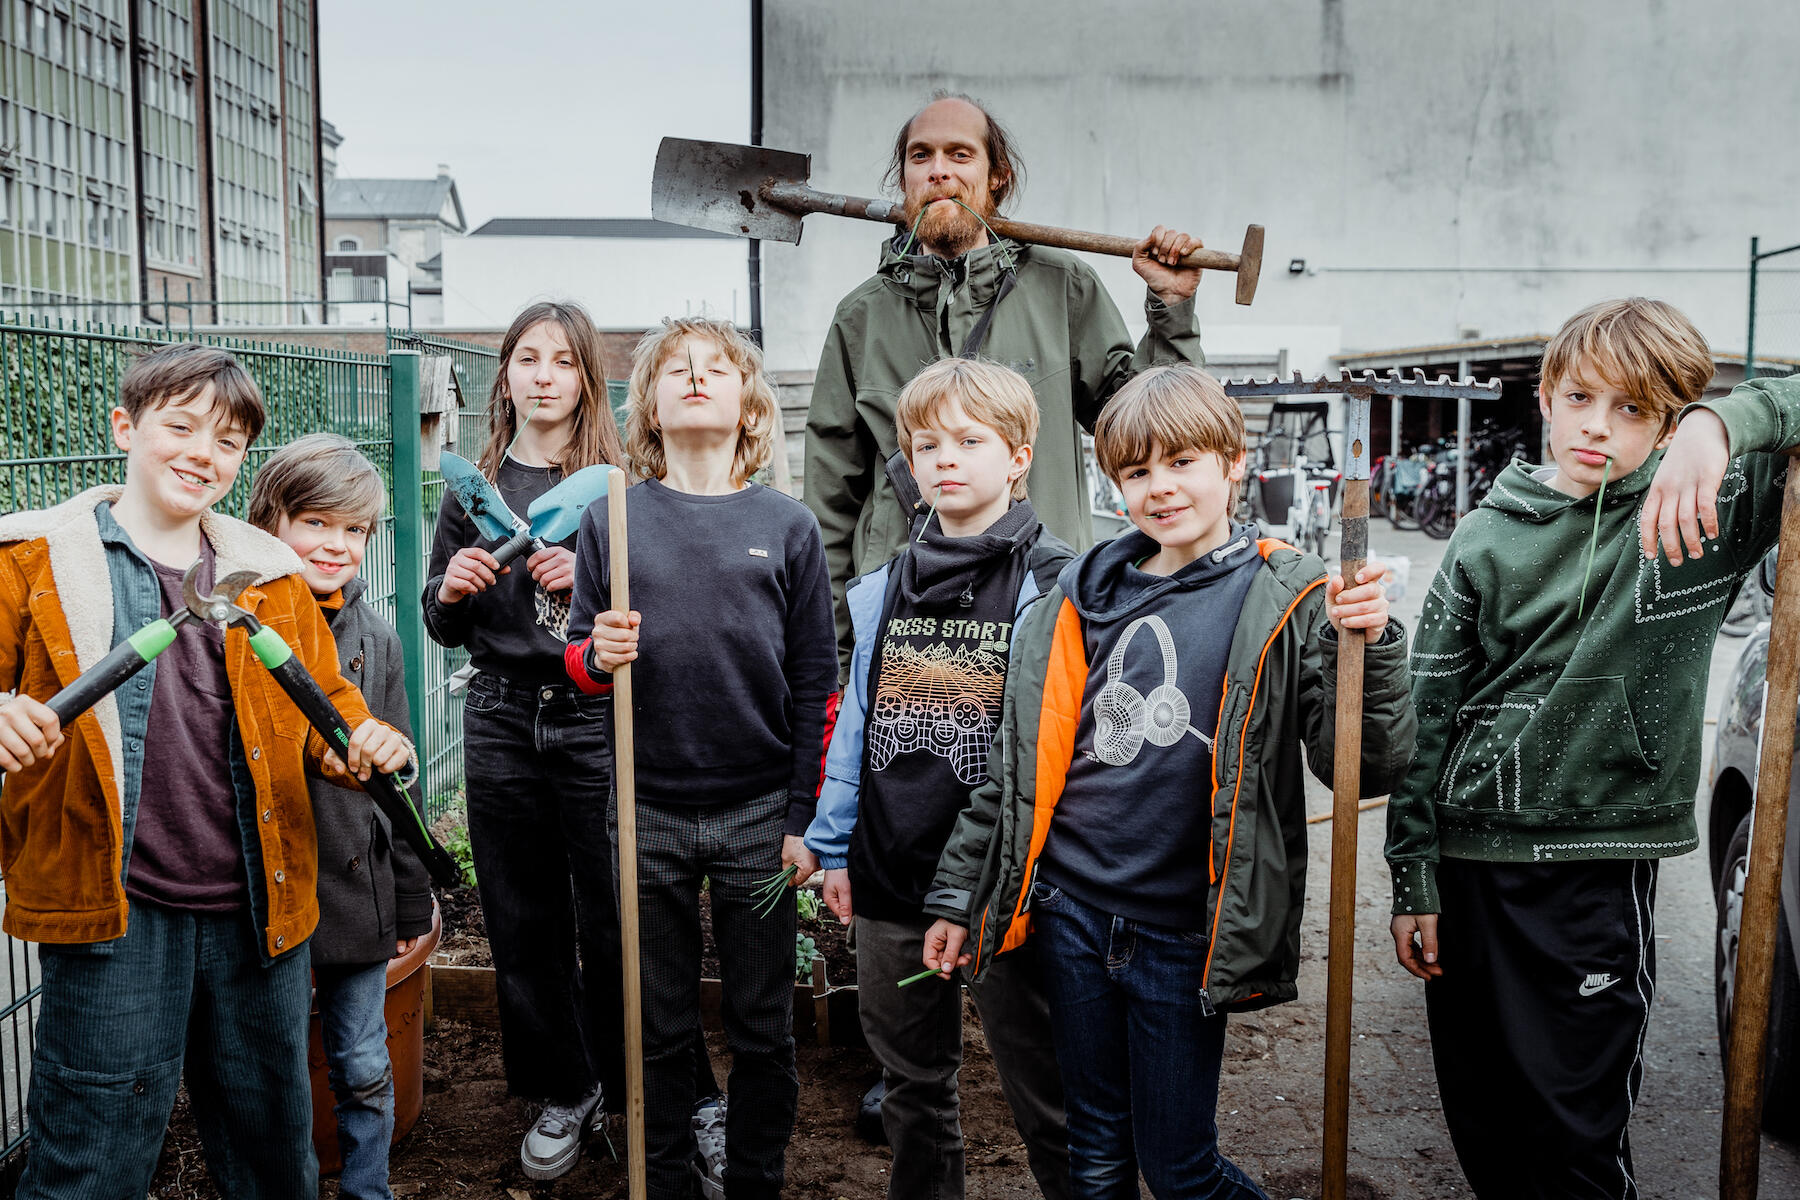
(478, 497)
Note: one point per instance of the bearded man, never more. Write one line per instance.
(947, 286)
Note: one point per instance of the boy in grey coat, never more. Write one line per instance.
(322, 498)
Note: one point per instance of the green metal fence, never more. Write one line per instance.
(1772, 339)
(437, 710)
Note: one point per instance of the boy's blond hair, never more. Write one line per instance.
(989, 394)
(759, 429)
(1165, 409)
(319, 473)
(1645, 348)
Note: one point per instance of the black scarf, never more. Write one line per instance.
(939, 572)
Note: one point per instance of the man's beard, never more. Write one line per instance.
(950, 228)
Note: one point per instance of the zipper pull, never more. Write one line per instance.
(967, 599)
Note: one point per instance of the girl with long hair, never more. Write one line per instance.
(537, 757)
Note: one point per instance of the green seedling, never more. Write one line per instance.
(768, 893)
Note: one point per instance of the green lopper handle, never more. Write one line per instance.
(110, 673)
(323, 716)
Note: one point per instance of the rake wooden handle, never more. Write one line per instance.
(1740, 1142)
(1346, 789)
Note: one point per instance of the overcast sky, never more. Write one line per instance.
(540, 108)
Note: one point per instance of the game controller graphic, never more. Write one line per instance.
(934, 702)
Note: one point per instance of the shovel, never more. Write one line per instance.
(756, 192)
(554, 515)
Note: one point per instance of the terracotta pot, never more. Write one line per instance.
(406, 978)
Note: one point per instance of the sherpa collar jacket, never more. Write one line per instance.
(61, 824)
(1280, 690)
(1057, 327)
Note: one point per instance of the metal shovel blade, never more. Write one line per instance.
(478, 497)
(719, 186)
(557, 513)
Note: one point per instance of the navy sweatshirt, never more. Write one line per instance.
(1129, 836)
(736, 654)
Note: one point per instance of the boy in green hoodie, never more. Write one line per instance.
(1560, 672)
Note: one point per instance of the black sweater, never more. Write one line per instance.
(736, 654)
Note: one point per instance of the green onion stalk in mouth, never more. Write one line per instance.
(1594, 538)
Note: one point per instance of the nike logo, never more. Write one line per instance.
(1597, 983)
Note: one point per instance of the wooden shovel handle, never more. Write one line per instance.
(1740, 1145)
(798, 197)
(1102, 243)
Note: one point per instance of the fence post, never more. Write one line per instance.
(1750, 333)
(409, 523)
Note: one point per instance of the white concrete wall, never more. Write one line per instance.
(1441, 167)
(624, 283)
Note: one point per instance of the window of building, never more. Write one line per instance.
(349, 245)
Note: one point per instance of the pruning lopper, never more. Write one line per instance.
(136, 652)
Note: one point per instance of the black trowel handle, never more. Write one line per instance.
(521, 542)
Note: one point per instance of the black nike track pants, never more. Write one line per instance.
(1537, 1025)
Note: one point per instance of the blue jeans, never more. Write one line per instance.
(352, 1010)
(1140, 1060)
(118, 1024)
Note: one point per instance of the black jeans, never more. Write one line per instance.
(733, 846)
(538, 761)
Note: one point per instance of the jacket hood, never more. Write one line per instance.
(1104, 585)
(922, 277)
(1520, 493)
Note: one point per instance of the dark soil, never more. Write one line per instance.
(463, 942)
(467, 1142)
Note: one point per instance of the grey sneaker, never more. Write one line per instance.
(553, 1143)
(709, 1143)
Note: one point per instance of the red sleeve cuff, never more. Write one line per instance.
(575, 664)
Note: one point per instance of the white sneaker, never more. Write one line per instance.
(553, 1143)
(709, 1147)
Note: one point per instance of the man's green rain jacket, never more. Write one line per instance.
(1057, 327)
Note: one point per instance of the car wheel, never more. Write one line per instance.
(1781, 1062)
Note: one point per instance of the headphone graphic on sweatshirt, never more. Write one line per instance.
(1124, 719)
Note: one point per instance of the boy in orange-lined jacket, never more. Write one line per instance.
(1146, 794)
(160, 849)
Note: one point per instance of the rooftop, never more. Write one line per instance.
(365, 199)
(591, 227)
